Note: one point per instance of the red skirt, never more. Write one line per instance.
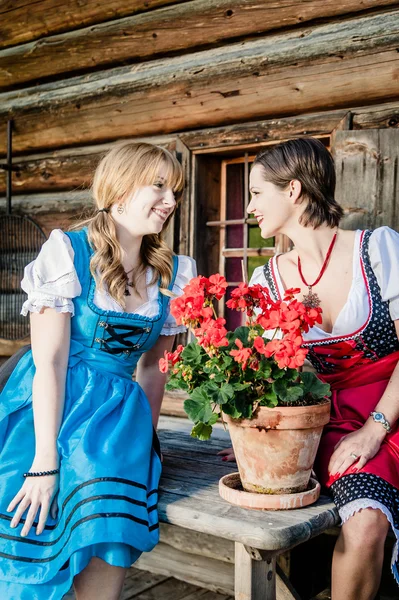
(355, 393)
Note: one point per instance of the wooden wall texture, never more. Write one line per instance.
(198, 76)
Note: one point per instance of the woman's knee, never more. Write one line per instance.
(366, 530)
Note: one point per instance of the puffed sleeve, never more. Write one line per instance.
(258, 277)
(51, 280)
(384, 257)
(186, 270)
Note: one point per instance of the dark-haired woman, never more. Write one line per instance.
(71, 418)
(354, 276)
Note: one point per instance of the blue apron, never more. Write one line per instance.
(109, 455)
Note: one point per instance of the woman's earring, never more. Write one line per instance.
(120, 209)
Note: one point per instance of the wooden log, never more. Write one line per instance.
(22, 21)
(36, 204)
(335, 65)
(73, 167)
(143, 36)
(65, 169)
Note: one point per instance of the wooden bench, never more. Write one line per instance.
(204, 539)
(239, 546)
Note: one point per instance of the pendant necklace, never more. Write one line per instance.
(129, 283)
(311, 299)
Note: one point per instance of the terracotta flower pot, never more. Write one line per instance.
(276, 449)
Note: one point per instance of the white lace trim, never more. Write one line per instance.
(35, 305)
(173, 330)
(355, 506)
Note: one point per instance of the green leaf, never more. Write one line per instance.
(277, 373)
(198, 406)
(175, 384)
(219, 394)
(265, 369)
(212, 390)
(227, 361)
(243, 406)
(313, 385)
(213, 418)
(279, 387)
(242, 333)
(293, 394)
(226, 392)
(291, 374)
(192, 354)
(201, 431)
(231, 411)
(238, 387)
(285, 393)
(269, 399)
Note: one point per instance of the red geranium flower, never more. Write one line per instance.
(217, 286)
(242, 355)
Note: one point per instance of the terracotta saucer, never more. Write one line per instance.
(230, 489)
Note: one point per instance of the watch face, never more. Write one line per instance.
(378, 416)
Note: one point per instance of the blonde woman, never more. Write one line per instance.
(79, 459)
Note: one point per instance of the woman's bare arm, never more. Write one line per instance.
(50, 337)
(150, 378)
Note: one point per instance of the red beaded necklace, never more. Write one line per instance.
(311, 299)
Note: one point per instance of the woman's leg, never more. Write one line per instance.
(358, 556)
(99, 581)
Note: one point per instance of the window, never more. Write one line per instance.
(240, 246)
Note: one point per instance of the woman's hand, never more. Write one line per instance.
(357, 447)
(36, 493)
(228, 454)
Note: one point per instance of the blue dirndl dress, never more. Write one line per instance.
(109, 453)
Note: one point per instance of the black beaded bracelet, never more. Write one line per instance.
(41, 473)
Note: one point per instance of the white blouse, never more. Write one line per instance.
(51, 281)
(384, 258)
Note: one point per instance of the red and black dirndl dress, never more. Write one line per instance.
(358, 367)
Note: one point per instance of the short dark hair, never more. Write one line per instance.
(307, 160)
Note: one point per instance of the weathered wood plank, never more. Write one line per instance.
(138, 581)
(36, 204)
(213, 574)
(368, 177)
(335, 65)
(22, 21)
(144, 36)
(255, 579)
(193, 542)
(197, 569)
(260, 133)
(65, 169)
(376, 117)
(173, 405)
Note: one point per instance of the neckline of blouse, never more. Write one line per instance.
(355, 273)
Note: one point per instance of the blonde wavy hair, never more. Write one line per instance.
(126, 167)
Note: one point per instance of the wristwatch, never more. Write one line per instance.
(379, 417)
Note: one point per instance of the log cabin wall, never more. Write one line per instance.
(209, 79)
